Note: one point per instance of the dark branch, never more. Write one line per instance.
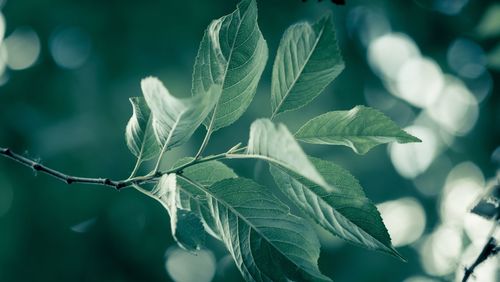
(490, 249)
(68, 179)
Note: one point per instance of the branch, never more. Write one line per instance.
(490, 249)
(117, 184)
(68, 179)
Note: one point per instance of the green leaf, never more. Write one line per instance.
(361, 128)
(266, 241)
(347, 213)
(308, 59)
(195, 200)
(139, 132)
(275, 144)
(174, 119)
(232, 53)
(186, 226)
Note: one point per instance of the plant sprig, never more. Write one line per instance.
(266, 240)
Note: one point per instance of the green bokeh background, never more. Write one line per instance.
(74, 120)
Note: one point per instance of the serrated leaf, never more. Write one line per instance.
(139, 132)
(195, 200)
(308, 59)
(275, 144)
(174, 119)
(347, 213)
(361, 128)
(186, 226)
(265, 240)
(233, 54)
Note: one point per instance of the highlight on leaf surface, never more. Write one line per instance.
(361, 129)
(139, 132)
(275, 144)
(232, 53)
(175, 119)
(308, 59)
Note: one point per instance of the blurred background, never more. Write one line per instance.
(67, 69)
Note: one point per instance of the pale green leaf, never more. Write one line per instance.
(139, 132)
(308, 59)
(186, 226)
(275, 144)
(195, 200)
(233, 54)
(174, 119)
(266, 241)
(361, 128)
(347, 213)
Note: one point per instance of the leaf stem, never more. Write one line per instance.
(136, 168)
(207, 135)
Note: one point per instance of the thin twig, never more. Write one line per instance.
(117, 184)
(68, 179)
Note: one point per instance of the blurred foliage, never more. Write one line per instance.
(74, 120)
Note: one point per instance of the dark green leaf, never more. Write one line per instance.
(347, 213)
(265, 240)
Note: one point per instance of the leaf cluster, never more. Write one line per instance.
(204, 196)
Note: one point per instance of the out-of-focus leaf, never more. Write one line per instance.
(489, 25)
(266, 241)
(186, 226)
(139, 132)
(347, 213)
(174, 119)
(361, 128)
(487, 209)
(308, 59)
(233, 54)
(494, 58)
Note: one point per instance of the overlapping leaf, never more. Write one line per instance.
(308, 59)
(361, 128)
(233, 54)
(186, 226)
(347, 213)
(174, 119)
(275, 144)
(139, 132)
(265, 240)
(196, 200)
